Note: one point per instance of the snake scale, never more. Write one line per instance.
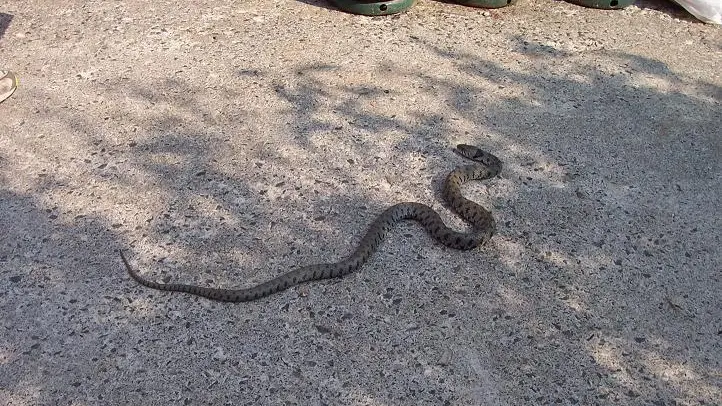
(485, 166)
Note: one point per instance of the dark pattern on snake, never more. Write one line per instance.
(486, 166)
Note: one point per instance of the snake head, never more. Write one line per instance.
(477, 154)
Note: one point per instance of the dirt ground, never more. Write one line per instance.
(222, 143)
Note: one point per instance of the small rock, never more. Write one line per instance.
(220, 355)
(445, 358)
(322, 329)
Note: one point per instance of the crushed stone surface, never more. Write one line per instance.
(222, 143)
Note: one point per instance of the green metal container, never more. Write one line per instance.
(607, 4)
(375, 7)
(486, 3)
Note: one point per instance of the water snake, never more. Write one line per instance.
(485, 166)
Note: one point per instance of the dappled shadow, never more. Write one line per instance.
(599, 287)
(63, 307)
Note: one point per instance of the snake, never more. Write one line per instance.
(485, 166)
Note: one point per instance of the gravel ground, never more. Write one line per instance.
(223, 142)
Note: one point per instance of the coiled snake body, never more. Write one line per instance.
(486, 166)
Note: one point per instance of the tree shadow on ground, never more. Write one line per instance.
(596, 267)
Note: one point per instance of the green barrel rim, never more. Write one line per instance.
(486, 3)
(375, 7)
(606, 4)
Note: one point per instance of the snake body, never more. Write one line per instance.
(483, 226)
